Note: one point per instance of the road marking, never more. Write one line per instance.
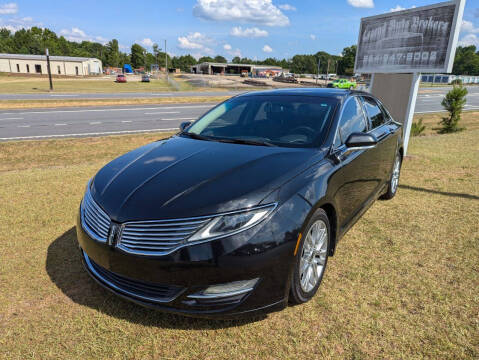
(126, 121)
(103, 110)
(63, 95)
(61, 124)
(178, 119)
(88, 134)
(23, 126)
(12, 118)
(162, 112)
(95, 123)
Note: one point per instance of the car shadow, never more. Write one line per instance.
(65, 268)
(461, 195)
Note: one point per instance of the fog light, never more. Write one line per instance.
(226, 290)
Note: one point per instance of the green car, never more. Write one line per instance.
(343, 84)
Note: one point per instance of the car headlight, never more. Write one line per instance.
(232, 223)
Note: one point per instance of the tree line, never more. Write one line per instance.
(35, 40)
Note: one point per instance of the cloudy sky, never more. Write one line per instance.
(253, 28)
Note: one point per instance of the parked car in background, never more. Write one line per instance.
(239, 212)
(343, 84)
(145, 78)
(120, 78)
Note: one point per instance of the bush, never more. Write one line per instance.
(456, 82)
(453, 102)
(417, 128)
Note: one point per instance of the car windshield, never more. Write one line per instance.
(292, 121)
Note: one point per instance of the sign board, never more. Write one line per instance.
(421, 39)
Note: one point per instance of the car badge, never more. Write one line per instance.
(113, 236)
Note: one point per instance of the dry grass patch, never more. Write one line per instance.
(403, 283)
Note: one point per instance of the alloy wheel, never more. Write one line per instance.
(313, 257)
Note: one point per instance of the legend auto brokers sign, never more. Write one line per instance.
(415, 40)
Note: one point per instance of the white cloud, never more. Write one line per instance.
(147, 42)
(78, 35)
(245, 11)
(227, 46)
(8, 9)
(267, 49)
(15, 24)
(399, 8)
(469, 39)
(312, 36)
(196, 41)
(287, 7)
(248, 32)
(468, 27)
(361, 3)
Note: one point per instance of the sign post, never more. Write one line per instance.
(49, 70)
(397, 47)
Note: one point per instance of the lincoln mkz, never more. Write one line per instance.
(239, 212)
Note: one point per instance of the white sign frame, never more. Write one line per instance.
(452, 44)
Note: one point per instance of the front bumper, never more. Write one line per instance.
(165, 282)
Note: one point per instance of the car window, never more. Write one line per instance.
(352, 120)
(374, 112)
(293, 121)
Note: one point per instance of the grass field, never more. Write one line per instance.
(403, 283)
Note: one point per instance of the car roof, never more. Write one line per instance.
(319, 92)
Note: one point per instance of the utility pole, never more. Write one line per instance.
(317, 75)
(327, 71)
(166, 64)
(49, 70)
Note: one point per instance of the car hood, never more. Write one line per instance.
(183, 177)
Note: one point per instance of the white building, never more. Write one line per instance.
(60, 65)
(448, 78)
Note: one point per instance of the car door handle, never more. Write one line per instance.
(383, 135)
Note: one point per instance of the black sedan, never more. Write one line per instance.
(239, 212)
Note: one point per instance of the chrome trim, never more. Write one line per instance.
(94, 220)
(92, 270)
(221, 295)
(146, 249)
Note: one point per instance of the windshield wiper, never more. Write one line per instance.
(196, 136)
(245, 142)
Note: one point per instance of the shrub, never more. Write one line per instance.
(453, 102)
(456, 82)
(417, 128)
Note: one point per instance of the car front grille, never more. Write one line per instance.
(158, 237)
(94, 220)
(142, 290)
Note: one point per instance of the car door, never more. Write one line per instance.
(356, 177)
(387, 142)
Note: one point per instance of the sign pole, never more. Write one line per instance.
(410, 109)
(49, 70)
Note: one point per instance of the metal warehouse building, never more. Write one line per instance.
(60, 65)
(222, 68)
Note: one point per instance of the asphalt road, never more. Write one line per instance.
(96, 121)
(117, 95)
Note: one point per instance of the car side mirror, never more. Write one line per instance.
(358, 141)
(184, 125)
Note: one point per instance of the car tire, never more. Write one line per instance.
(394, 179)
(311, 258)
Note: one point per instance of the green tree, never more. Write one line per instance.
(220, 59)
(183, 62)
(453, 102)
(137, 56)
(346, 63)
(205, 59)
(112, 53)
